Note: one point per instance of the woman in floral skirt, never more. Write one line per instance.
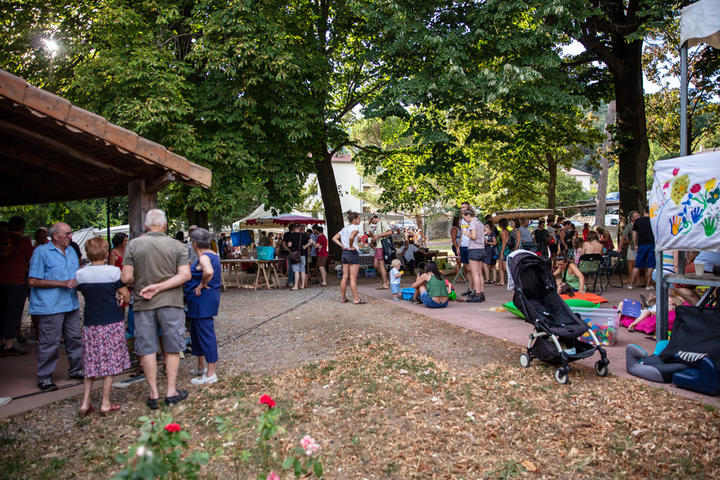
(104, 350)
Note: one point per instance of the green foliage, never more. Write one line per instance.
(77, 214)
(160, 452)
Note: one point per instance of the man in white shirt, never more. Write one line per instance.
(464, 251)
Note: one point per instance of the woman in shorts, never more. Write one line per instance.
(475, 232)
(347, 239)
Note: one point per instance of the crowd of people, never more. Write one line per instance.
(164, 284)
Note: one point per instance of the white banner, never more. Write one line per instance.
(685, 203)
(700, 23)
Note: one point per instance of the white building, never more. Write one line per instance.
(583, 177)
(348, 179)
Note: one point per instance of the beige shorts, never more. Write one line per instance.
(631, 254)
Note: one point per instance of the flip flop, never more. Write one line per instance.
(360, 302)
(344, 300)
(382, 288)
(113, 408)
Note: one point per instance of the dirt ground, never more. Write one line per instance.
(389, 394)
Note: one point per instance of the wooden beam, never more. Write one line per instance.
(61, 147)
(24, 157)
(139, 202)
(166, 179)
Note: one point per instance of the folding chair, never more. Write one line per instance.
(612, 264)
(589, 265)
(460, 270)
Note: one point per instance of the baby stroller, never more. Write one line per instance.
(557, 328)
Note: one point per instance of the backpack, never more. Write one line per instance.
(511, 241)
(388, 249)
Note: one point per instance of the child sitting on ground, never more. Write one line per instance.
(395, 276)
(650, 310)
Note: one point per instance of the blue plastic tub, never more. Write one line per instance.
(265, 253)
(407, 293)
(370, 273)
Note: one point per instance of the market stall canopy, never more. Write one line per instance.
(685, 203)
(523, 213)
(285, 219)
(51, 150)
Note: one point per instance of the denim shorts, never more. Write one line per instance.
(350, 257)
(394, 288)
(464, 258)
(430, 303)
(645, 256)
(300, 266)
(476, 254)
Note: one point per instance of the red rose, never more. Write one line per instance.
(667, 184)
(172, 427)
(267, 400)
(695, 188)
(675, 171)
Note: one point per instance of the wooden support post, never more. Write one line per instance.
(139, 202)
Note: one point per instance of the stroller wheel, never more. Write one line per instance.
(601, 368)
(525, 360)
(562, 376)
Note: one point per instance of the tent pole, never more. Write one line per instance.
(684, 150)
(107, 222)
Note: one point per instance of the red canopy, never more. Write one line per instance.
(285, 219)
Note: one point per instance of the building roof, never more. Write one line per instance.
(51, 150)
(574, 172)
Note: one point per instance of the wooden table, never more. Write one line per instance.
(266, 267)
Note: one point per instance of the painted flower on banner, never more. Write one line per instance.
(714, 196)
(710, 184)
(695, 188)
(679, 188)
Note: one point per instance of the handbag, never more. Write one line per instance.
(294, 256)
(695, 334)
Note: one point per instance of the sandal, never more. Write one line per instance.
(113, 408)
(360, 302)
(344, 300)
(631, 329)
(382, 288)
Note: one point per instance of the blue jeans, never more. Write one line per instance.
(430, 303)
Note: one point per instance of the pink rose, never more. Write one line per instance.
(273, 476)
(309, 445)
(695, 188)
(675, 171)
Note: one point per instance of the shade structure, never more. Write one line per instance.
(700, 23)
(285, 219)
(523, 213)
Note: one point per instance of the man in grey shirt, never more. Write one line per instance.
(157, 266)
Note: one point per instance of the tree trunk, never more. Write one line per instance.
(604, 166)
(552, 181)
(196, 217)
(330, 198)
(631, 126)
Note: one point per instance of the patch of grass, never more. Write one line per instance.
(507, 469)
(56, 465)
(709, 408)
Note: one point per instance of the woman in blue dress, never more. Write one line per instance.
(202, 294)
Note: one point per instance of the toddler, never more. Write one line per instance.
(650, 310)
(395, 276)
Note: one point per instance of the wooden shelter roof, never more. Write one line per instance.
(51, 150)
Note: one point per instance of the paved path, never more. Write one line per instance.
(484, 319)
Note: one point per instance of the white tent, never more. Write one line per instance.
(261, 212)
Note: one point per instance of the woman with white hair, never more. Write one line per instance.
(202, 293)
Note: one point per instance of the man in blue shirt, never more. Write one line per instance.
(54, 303)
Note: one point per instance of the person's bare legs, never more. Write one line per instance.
(354, 269)
(688, 295)
(171, 370)
(149, 366)
(344, 281)
(87, 388)
(648, 276)
(633, 276)
(106, 405)
(477, 276)
(211, 369)
(643, 315)
(303, 280)
(323, 275)
(297, 281)
(380, 267)
(501, 271)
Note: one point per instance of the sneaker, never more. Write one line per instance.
(397, 299)
(629, 287)
(5, 400)
(204, 379)
(47, 386)
(477, 298)
(175, 399)
(416, 301)
(198, 373)
(649, 288)
(13, 352)
(466, 293)
(76, 376)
